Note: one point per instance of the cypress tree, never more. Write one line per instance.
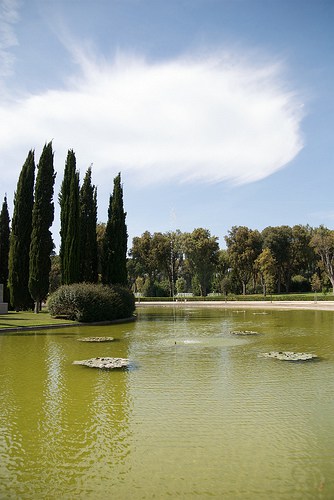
(41, 238)
(4, 248)
(88, 236)
(114, 269)
(20, 238)
(69, 222)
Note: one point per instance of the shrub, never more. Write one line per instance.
(300, 284)
(87, 302)
(155, 289)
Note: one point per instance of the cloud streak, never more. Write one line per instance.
(186, 120)
(8, 17)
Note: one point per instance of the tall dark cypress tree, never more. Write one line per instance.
(41, 238)
(20, 237)
(114, 269)
(4, 248)
(69, 222)
(88, 236)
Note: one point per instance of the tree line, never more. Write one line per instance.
(27, 260)
(275, 260)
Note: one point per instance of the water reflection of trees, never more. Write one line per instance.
(65, 428)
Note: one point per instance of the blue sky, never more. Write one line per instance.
(216, 112)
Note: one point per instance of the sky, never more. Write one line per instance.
(217, 113)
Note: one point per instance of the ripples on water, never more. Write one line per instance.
(201, 415)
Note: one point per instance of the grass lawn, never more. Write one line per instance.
(29, 319)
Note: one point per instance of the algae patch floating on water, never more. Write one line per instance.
(96, 339)
(244, 332)
(290, 356)
(104, 363)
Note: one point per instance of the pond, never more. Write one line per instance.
(200, 414)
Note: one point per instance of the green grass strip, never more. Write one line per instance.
(27, 319)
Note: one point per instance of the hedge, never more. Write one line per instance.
(88, 302)
(311, 296)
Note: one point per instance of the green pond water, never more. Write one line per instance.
(200, 414)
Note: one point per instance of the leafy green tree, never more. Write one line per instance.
(143, 257)
(156, 258)
(290, 247)
(181, 285)
(4, 248)
(303, 257)
(55, 273)
(144, 263)
(114, 268)
(167, 254)
(88, 234)
(221, 279)
(323, 243)
(20, 238)
(69, 222)
(41, 238)
(201, 250)
(278, 239)
(243, 246)
(315, 284)
(266, 267)
(172, 259)
(100, 232)
(139, 284)
(300, 283)
(196, 286)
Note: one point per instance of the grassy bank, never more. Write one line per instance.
(27, 319)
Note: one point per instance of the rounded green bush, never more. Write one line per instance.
(87, 302)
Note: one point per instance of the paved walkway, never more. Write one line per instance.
(323, 305)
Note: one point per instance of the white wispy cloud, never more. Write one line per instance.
(188, 119)
(8, 17)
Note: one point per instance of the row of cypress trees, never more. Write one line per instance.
(25, 250)
(31, 241)
(78, 221)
